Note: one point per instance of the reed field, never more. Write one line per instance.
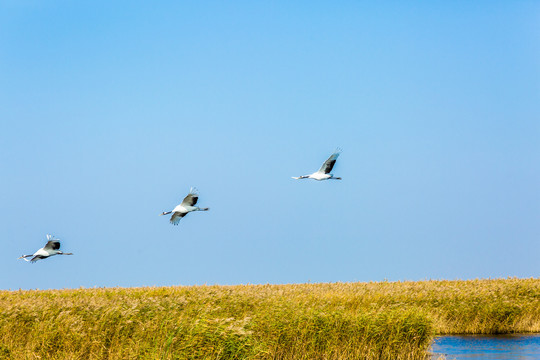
(377, 320)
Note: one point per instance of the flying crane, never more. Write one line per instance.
(50, 249)
(186, 206)
(324, 172)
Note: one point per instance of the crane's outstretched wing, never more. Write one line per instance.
(191, 199)
(52, 245)
(36, 258)
(330, 162)
(176, 217)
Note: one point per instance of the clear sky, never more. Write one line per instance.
(111, 110)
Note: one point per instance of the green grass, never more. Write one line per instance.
(386, 320)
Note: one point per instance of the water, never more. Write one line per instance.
(496, 347)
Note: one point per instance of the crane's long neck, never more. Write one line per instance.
(201, 209)
(25, 256)
(165, 213)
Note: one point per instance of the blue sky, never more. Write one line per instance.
(112, 110)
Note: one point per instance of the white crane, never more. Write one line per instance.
(50, 249)
(186, 206)
(324, 172)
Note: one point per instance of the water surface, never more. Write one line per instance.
(492, 347)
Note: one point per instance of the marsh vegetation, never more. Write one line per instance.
(378, 320)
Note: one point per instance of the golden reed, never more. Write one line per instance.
(376, 320)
